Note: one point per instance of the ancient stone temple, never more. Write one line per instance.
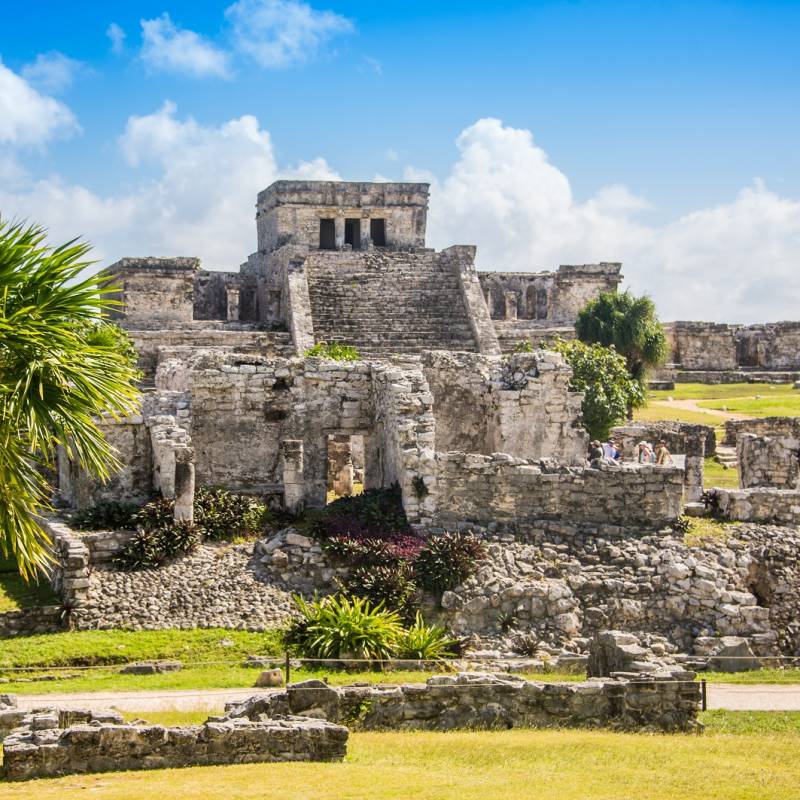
(229, 398)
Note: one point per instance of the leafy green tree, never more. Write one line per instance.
(56, 374)
(627, 323)
(608, 388)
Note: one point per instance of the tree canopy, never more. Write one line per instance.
(628, 324)
(608, 388)
(59, 369)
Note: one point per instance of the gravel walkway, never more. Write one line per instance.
(759, 697)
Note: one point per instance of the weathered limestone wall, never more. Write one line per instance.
(211, 294)
(133, 483)
(290, 212)
(667, 701)
(552, 296)
(520, 405)
(768, 461)
(483, 489)
(156, 292)
(39, 752)
(781, 427)
(515, 332)
(762, 505)
(719, 347)
(180, 342)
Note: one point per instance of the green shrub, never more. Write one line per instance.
(446, 560)
(523, 347)
(178, 538)
(106, 515)
(143, 551)
(393, 586)
(224, 515)
(158, 513)
(334, 351)
(343, 628)
(425, 642)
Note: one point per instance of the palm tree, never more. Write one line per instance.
(628, 324)
(54, 379)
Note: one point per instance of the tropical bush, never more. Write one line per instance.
(107, 515)
(446, 560)
(334, 352)
(392, 585)
(225, 515)
(344, 628)
(609, 391)
(425, 642)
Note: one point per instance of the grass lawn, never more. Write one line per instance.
(752, 399)
(717, 476)
(15, 593)
(506, 765)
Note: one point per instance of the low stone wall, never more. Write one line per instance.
(27, 621)
(48, 751)
(480, 489)
(298, 563)
(764, 426)
(768, 461)
(665, 701)
(762, 505)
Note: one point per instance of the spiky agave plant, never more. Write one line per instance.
(54, 379)
(426, 642)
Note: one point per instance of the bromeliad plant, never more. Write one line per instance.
(352, 628)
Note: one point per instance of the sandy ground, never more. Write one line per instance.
(761, 697)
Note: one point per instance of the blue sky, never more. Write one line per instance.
(663, 134)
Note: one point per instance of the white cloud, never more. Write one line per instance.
(28, 117)
(166, 47)
(734, 262)
(277, 33)
(200, 202)
(53, 71)
(117, 37)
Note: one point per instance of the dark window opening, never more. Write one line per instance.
(377, 232)
(352, 233)
(327, 234)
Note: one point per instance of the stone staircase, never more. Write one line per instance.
(726, 455)
(384, 302)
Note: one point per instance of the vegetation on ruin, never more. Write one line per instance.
(608, 389)
(479, 765)
(630, 325)
(333, 351)
(388, 563)
(107, 515)
(353, 628)
(54, 378)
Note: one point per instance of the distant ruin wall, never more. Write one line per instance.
(762, 505)
(485, 489)
(764, 426)
(717, 347)
(551, 296)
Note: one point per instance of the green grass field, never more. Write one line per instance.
(715, 475)
(751, 399)
(497, 765)
(16, 594)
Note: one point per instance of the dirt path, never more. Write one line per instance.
(692, 405)
(757, 697)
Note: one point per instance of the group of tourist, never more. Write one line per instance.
(610, 452)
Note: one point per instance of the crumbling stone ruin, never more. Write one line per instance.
(478, 438)
(49, 742)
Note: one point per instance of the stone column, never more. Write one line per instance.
(511, 305)
(366, 239)
(693, 474)
(292, 467)
(340, 465)
(184, 485)
(339, 225)
(232, 293)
